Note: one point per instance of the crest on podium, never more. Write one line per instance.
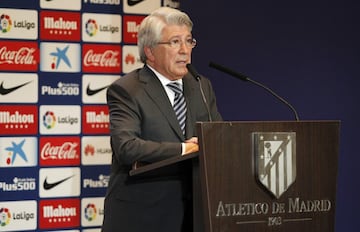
(275, 160)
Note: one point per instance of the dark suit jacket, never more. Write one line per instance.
(144, 128)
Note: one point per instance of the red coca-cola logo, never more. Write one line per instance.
(18, 56)
(101, 58)
(60, 151)
(109, 58)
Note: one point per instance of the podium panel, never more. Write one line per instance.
(267, 176)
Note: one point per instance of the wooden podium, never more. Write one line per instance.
(263, 176)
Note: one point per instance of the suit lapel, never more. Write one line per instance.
(156, 92)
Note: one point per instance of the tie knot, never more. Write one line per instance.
(174, 86)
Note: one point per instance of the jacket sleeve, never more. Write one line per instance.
(126, 118)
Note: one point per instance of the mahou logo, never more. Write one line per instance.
(60, 151)
(19, 56)
(95, 120)
(101, 58)
(59, 213)
(64, 26)
(18, 119)
(131, 27)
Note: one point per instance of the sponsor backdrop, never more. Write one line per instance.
(57, 57)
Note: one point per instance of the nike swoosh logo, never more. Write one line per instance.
(5, 91)
(48, 186)
(133, 2)
(92, 92)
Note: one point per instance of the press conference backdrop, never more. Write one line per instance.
(57, 57)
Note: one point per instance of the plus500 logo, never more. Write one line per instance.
(62, 89)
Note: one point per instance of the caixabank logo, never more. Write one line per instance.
(18, 24)
(19, 88)
(99, 58)
(60, 151)
(59, 213)
(18, 215)
(60, 57)
(60, 119)
(19, 56)
(18, 120)
(95, 119)
(59, 25)
(18, 152)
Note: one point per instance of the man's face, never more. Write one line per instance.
(169, 61)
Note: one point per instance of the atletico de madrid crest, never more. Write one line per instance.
(275, 160)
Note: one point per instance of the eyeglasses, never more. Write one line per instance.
(176, 43)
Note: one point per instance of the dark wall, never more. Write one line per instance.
(306, 51)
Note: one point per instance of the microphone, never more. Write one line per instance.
(197, 77)
(246, 78)
(193, 71)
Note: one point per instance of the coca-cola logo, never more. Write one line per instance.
(109, 58)
(65, 151)
(101, 58)
(57, 151)
(19, 56)
(24, 55)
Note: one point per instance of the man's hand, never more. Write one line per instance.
(191, 145)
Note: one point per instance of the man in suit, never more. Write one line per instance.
(145, 129)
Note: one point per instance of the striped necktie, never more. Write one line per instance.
(179, 104)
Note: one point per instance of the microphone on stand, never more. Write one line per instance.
(246, 78)
(197, 77)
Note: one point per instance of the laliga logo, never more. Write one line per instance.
(5, 23)
(90, 212)
(4, 217)
(91, 27)
(49, 120)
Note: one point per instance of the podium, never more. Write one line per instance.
(263, 176)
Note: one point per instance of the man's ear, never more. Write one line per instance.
(149, 53)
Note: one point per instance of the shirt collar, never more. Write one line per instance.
(164, 81)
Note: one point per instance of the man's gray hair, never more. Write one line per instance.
(151, 27)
